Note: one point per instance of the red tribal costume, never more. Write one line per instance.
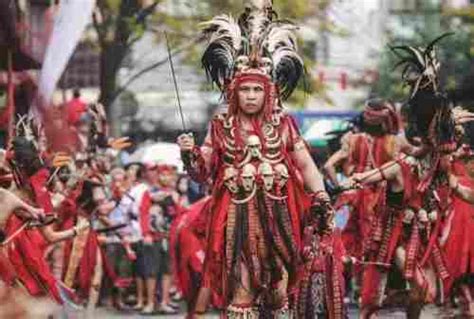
(372, 148)
(187, 242)
(259, 206)
(406, 230)
(27, 247)
(84, 258)
(457, 238)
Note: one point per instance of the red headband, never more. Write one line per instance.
(252, 75)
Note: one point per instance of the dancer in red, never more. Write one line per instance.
(457, 239)
(27, 246)
(259, 165)
(187, 242)
(374, 146)
(406, 230)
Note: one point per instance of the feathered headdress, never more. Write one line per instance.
(24, 149)
(420, 66)
(254, 42)
(429, 111)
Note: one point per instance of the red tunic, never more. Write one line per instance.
(364, 153)
(216, 273)
(457, 238)
(26, 250)
(188, 247)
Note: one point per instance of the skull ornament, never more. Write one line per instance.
(248, 177)
(282, 174)
(254, 146)
(230, 179)
(433, 215)
(423, 216)
(265, 171)
(242, 62)
(267, 65)
(409, 215)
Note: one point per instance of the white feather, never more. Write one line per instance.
(283, 53)
(282, 35)
(226, 29)
(258, 23)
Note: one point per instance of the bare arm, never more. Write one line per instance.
(407, 148)
(10, 202)
(311, 175)
(330, 166)
(463, 192)
(53, 236)
(391, 172)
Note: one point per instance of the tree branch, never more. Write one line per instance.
(149, 68)
(98, 29)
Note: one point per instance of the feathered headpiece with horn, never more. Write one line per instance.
(420, 66)
(255, 43)
(24, 154)
(429, 111)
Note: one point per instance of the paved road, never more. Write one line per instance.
(102, 313)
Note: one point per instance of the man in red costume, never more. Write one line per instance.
(457, 239)
(375, 144)
(260, 167)
(27, 245)
(406, 230)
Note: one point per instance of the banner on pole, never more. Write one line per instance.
(72, 18)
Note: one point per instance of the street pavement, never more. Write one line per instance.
(428, 313)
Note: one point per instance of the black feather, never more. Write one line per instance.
(431, 45)
(26, 155)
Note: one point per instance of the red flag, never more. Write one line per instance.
(343, 80)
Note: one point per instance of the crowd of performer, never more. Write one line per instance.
(249, 229)
(80, 228)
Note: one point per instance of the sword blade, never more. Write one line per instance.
(173, 73)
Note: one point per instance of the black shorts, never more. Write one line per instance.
(146, 264)
(164, 260)
(117, 256)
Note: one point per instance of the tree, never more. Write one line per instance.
(455, 52)
(119, 24)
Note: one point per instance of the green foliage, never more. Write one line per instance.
(455, 52)
(118, 23)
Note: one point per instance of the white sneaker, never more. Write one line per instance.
(148, 310)
(167, 309)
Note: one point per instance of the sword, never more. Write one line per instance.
(110, 229)
(173, 73)
(372, 263)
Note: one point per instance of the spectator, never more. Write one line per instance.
(167, 199)
(146, 263)
(76, 108)
(117, 244)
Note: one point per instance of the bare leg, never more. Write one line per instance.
(468, 310)
(150, 285)
(243, 293)
(422, 287)
(372, 290)
(140, 288)
(150, 291)
(96, 282)
(202, 301)
(242, 305)
(165, 287)
(280, 299)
